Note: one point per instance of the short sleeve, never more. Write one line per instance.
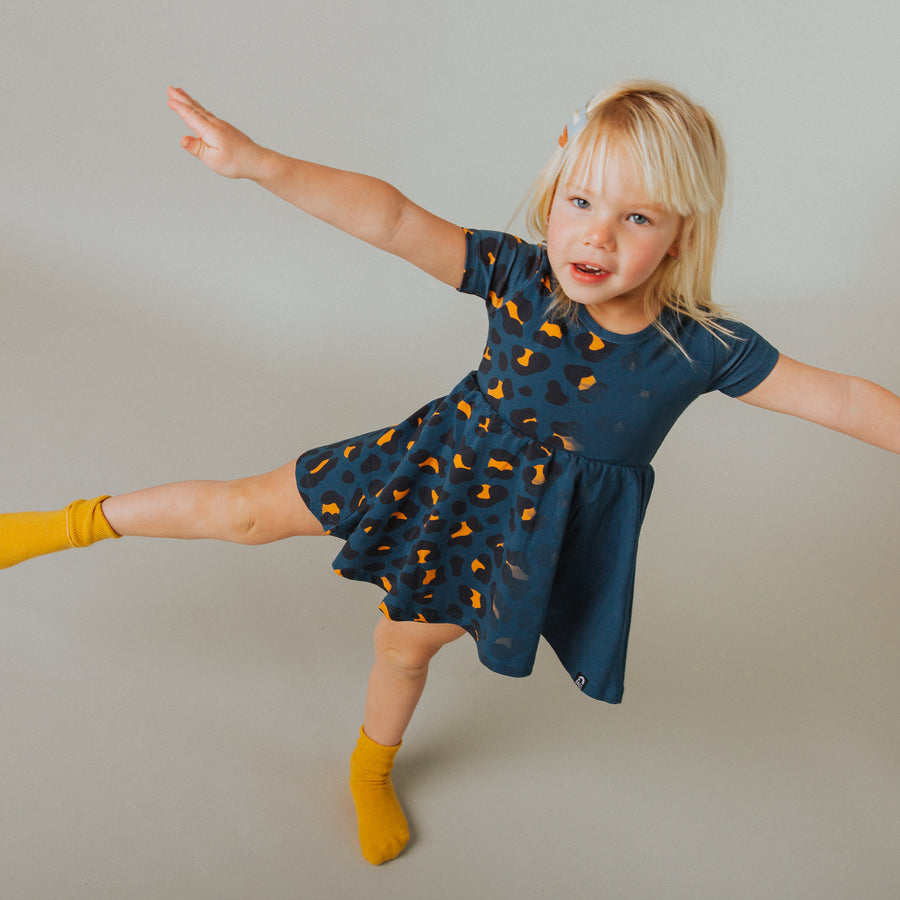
(497, 263)
(743, 362)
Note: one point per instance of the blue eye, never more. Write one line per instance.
(581, 203)
(638, 219)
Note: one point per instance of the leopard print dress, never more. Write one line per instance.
(512, 506)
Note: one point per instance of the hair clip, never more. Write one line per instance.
(579, 120)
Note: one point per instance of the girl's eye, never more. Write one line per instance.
(638, 219)
(581, 203)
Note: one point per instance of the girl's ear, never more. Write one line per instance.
(674, 251)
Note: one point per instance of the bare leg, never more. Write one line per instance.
(403, 651)
(247, 511)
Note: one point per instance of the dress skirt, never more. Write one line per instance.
(459, 517)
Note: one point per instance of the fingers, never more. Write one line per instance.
(195, 117)
(188, 108)
(218, 144)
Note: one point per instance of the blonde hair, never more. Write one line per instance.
(678, 153)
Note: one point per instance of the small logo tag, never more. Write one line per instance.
(580, 681)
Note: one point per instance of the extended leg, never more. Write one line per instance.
(403, 651)
(254, 510)
(247, 511)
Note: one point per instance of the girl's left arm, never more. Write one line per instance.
(845, 403)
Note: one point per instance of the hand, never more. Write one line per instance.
(220, 146)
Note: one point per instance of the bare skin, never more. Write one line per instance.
(268, 508)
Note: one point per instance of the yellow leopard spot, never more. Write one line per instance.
(539, 477)
(386, 583)
(430, 575)
(497, 392)
(524, 358)
(399, 495)
(478, 566)
(586, 383)
(491, 258)
(331, 509)
(349, 450)
(551, 329)
(430, 463)
(462, 531)
(596, 343)
(496, 301)
(485, 493)
(386, 437)
(514, 312)
(464, 408)
(475, 599)
(459, 464)
(500, 464)
(420, 618)
(423, 556)
(320, 466)
(528, 514)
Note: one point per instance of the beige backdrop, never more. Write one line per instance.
(176, 718)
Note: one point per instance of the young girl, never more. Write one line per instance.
(511, 507)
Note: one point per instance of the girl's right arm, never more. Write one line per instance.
(360, 205)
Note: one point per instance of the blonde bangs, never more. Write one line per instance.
(679, 159)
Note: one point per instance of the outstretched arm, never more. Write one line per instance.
(844, 403)
(364, 207)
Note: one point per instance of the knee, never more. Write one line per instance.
(398, 648)
(408, 647)
(235, 510)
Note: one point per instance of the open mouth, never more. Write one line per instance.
(588, 274)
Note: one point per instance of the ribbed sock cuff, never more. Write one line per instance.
(374, 757)
(86, 524)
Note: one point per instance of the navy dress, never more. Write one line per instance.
(512, 506)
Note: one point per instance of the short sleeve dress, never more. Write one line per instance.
(512, 506)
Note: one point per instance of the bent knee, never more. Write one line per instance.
(410, 646)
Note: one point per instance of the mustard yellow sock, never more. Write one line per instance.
(383, 832)
(28, 534)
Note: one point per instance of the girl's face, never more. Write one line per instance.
(605, 239)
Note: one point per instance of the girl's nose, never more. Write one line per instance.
(601, 235)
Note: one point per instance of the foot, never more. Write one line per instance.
(383, 830)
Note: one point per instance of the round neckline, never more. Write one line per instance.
(613, 337)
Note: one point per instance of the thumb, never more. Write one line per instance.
(193, 145)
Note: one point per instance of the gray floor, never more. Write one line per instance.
(177, 720)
